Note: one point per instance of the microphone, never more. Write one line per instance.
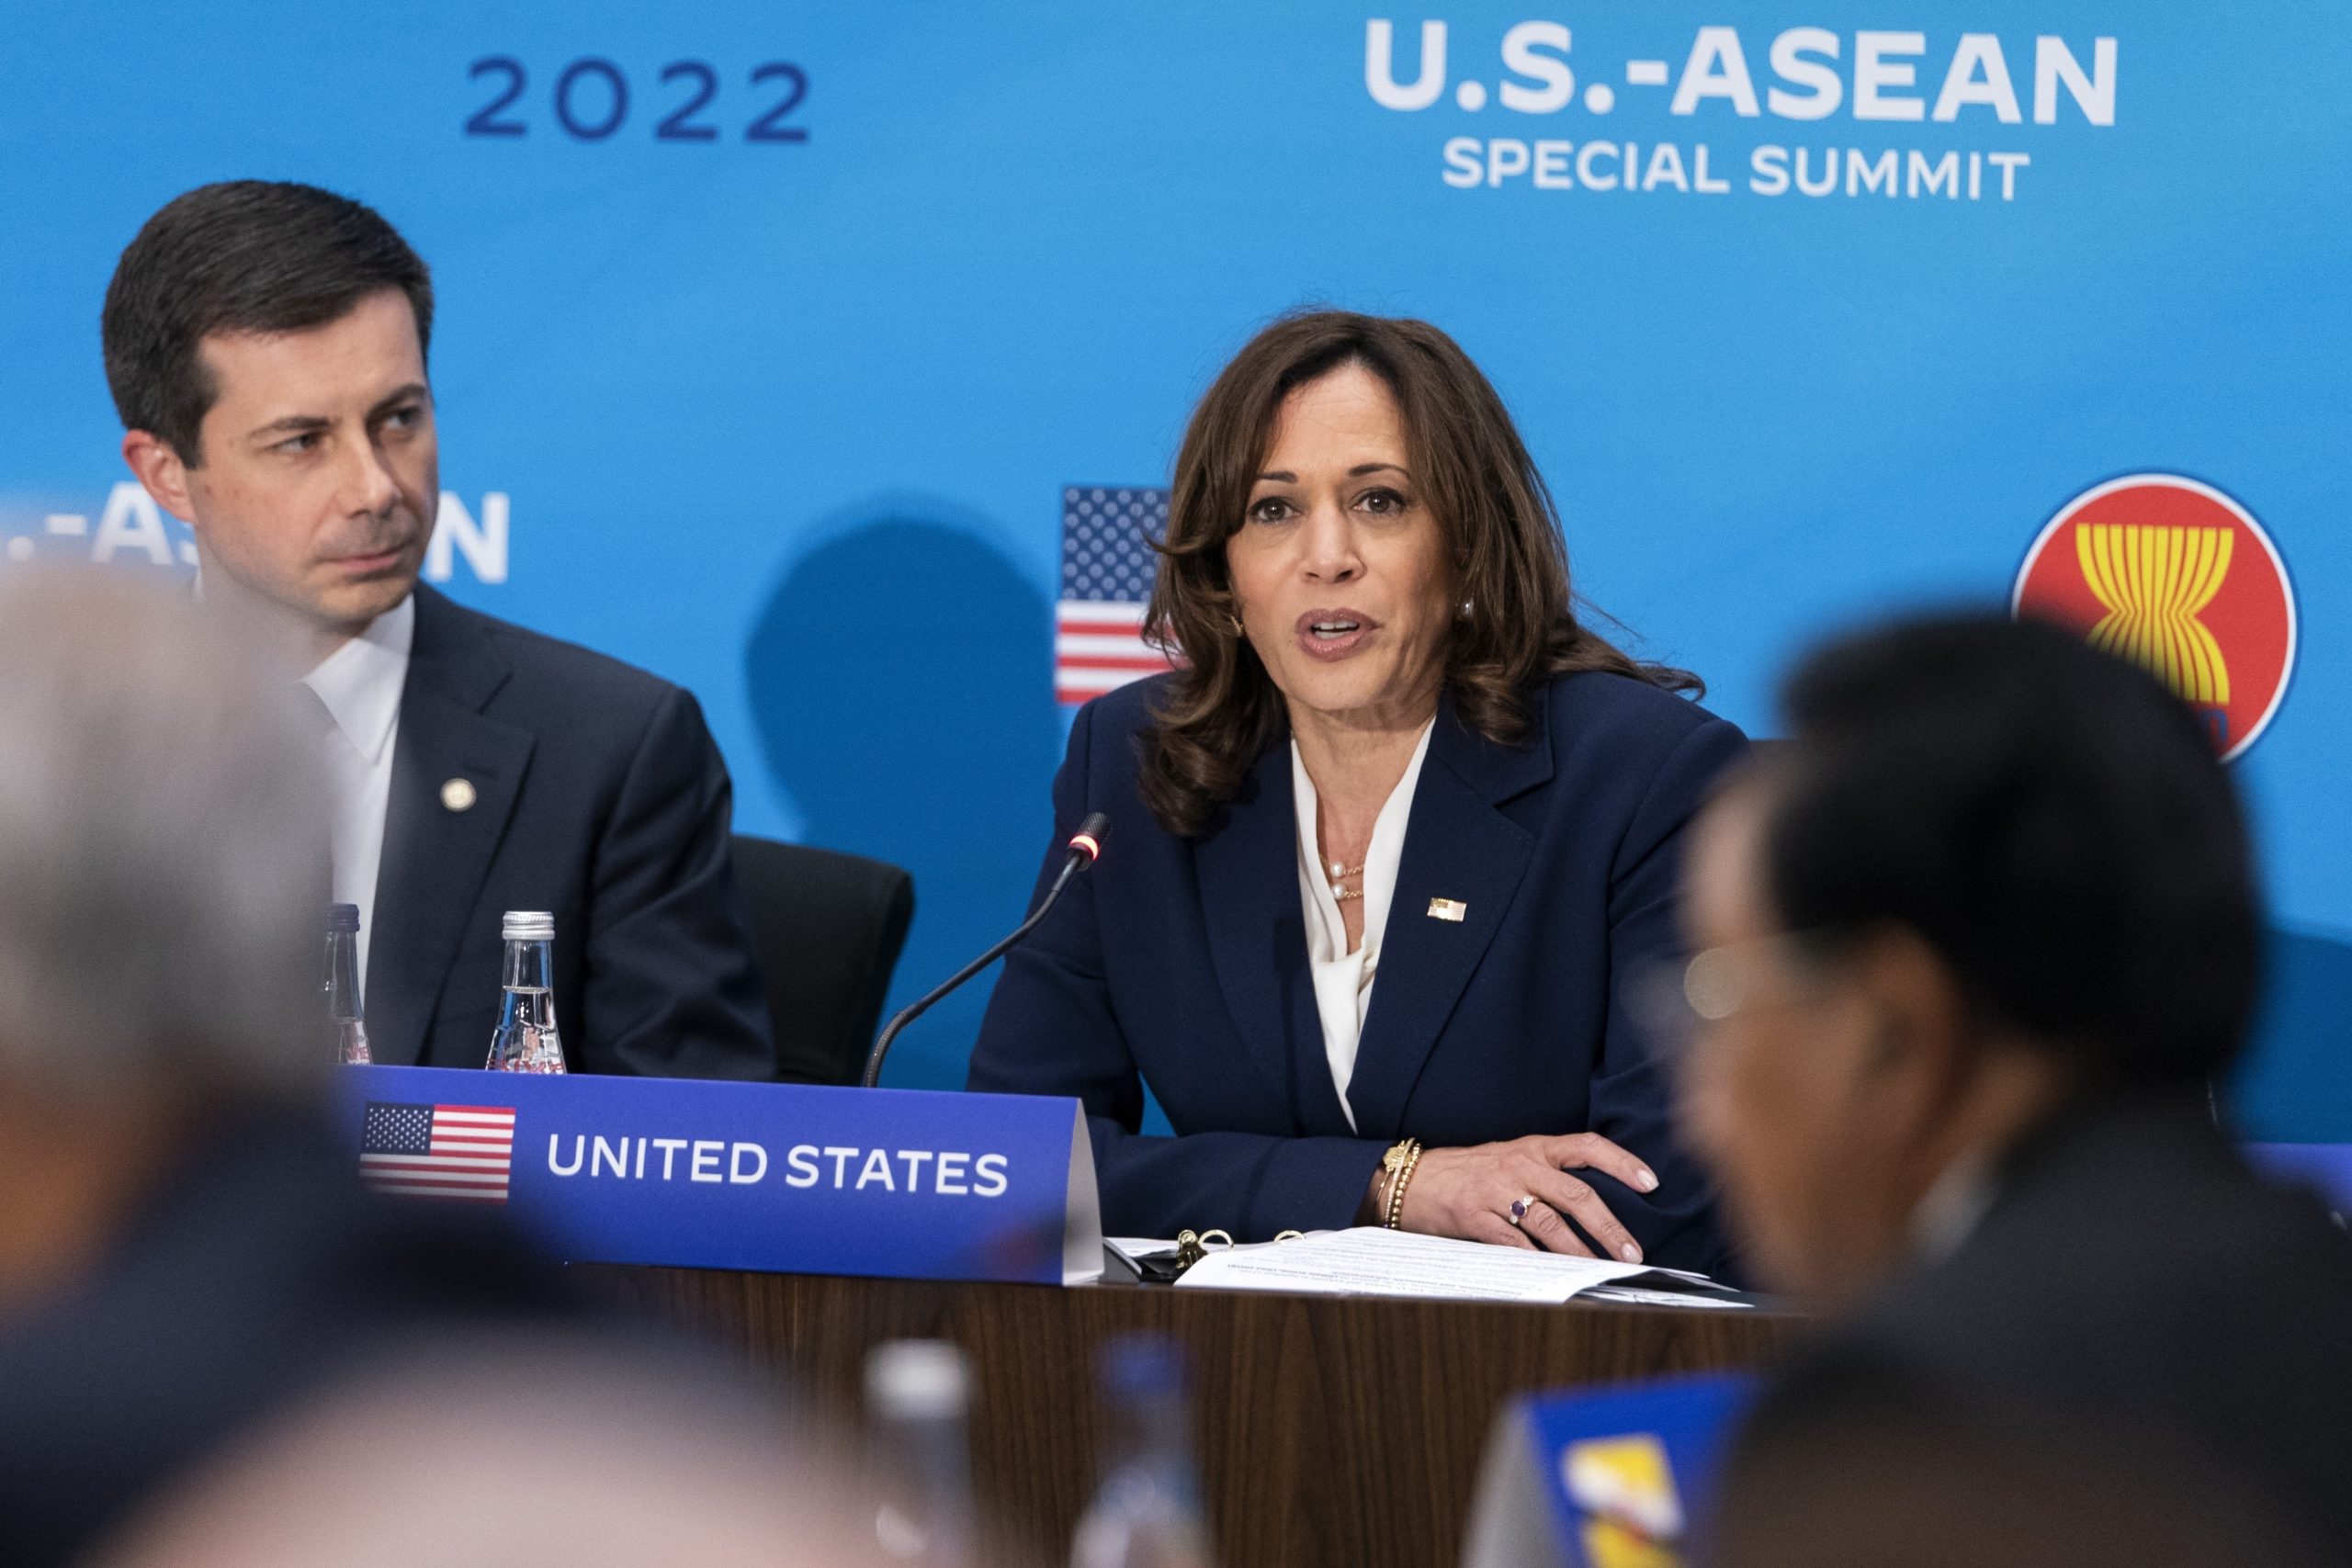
(1085, 848)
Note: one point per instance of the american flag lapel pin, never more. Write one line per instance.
(1448, 910)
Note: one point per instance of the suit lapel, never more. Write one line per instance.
(436, 858)
(1459, 849)
(1257, 934)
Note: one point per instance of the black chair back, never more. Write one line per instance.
(829, 927)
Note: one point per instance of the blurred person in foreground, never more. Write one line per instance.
(1973, 945)
(1916, 1488)
(482, 1457)
(1384, 849)
(182, 1247)
(265, 343)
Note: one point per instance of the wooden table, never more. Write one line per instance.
(1340, 1430)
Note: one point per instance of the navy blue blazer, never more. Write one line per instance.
(597, 794)
(1183, 965)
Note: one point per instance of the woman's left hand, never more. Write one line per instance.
(1469, 1193)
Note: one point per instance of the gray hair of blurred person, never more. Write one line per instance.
(162, 848)
(475, 1454)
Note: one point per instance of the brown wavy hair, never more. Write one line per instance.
(1221, 711)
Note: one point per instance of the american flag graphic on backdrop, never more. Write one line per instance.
(464, 1152)
(1106, 581)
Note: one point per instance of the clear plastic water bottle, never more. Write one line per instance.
(919, 1392)
(346, 1024)
(526, 1039)
(1148, 1512)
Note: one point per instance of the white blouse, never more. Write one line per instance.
(1343, 979)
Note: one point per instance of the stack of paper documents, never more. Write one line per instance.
(1370, 1261)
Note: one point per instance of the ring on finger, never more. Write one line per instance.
(1521, 1208)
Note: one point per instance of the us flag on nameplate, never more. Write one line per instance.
(466, 1152)
(1106, 581)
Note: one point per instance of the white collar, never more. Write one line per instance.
(361, 683)
(1384, 856)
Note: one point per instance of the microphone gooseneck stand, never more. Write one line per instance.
(1085, 847)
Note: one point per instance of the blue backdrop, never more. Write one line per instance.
(770, 336)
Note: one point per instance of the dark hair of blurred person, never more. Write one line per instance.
(1973, 945)
(182, 1247)
(1392, 758)
(2053, 825)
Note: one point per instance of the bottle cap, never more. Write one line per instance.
(918, 1380)
(342, 917)
(529, 925)
(1138, 1366)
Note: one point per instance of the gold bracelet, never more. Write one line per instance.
(1390, 1164)
(1396, 1184)
(1396, 1196)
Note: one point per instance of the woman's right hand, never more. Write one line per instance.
(1469, 1193)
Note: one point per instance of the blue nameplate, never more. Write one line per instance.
(1604, 1479)
(2325, 1167)
(780, 1177)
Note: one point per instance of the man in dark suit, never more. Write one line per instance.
(1972, 946)
(265, 344)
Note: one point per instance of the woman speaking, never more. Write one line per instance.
(1387, 852)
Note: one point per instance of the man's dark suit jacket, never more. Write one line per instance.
(597, 793)
(1183, 965)
(2131, 1283)
(255, 1273)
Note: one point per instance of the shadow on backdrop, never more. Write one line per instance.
(902, 679)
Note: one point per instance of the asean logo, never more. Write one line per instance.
(2181, 578)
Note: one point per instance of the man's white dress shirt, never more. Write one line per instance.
(1343, 979)
(360, 683)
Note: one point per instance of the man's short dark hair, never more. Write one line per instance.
(2050, 818)
(241, 257)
